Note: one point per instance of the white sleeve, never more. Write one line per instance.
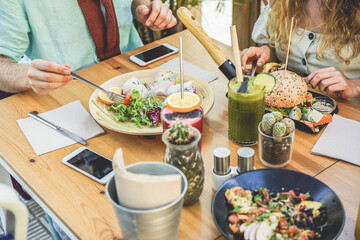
(259, 34)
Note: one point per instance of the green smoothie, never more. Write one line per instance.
(245, 112)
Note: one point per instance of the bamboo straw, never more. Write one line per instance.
(181, 68)
(288, 49)
(236, 51)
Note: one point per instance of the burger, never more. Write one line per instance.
(290, 90)
(290, 96)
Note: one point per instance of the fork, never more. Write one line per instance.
(115, 97)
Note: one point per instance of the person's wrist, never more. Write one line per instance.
(266, 48)
(27, 80)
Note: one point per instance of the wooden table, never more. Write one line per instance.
(79, 204)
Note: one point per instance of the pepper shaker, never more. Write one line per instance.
(221, 170)
(245, 159)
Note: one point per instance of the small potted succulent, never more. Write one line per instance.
(276, 139)
(182, 151)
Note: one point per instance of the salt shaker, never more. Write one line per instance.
(221, 170)
(245, 159)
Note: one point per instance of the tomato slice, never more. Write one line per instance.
(127, 99)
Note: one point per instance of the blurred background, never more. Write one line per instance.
(242, 13)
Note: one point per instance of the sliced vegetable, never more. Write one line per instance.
(127, 99)
(266, 80)
(325, 119)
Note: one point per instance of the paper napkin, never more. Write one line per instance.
(190, 68)
(340, 140)
(72, 117)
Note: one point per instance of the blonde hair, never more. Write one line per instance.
(341, 24)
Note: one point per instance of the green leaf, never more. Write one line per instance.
(258, 198)
(237, 209)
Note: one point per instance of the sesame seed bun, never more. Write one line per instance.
(289, 91)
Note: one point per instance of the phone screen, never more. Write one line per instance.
(92, 163)
(154, 53)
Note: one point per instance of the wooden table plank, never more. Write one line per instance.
(344, 179)
(77, 200)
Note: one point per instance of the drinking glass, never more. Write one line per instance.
(245, 113)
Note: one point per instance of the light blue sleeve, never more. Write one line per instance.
(259, 34)
(14, 29)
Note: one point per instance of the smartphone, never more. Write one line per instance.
(153, 54)
(91, 164)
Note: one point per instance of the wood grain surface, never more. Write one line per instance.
(80, 203)
(344, 179)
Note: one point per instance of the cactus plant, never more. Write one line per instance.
(279, 129)
(180, 134)
(268, 122)
(290, 125)
(278, 116)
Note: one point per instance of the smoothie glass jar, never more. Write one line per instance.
(245, 113)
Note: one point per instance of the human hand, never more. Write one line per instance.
(261, 54)
(156, 15)
(45, 76)
(330, 80)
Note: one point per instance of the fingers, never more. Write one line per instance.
(160, 17)
(155, 10)
(166, 21)
(330, 80)
(45, 76)
(142, 10)
(264, 56)
(315, 79)
(42, 87)
(172, 23)
(49, 66)
(322, 70)
(142, 13)
(259, 53)
(244, 57)
(327, 82)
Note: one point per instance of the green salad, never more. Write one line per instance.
(142, 112)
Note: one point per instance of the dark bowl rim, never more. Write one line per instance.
(276, 169)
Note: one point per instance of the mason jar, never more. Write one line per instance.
(188, 159)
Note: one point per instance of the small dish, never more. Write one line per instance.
(323, 104)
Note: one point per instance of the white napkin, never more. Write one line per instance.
(156, 190)
(190, 68)
(72, 117)
(341, 140)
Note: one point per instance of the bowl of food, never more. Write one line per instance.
(277, 204)
(324, 104)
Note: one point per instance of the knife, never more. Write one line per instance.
(61, 130)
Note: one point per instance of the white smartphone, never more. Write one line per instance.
(91, 164)
(153, 54)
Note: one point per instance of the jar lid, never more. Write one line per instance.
(221, 160)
